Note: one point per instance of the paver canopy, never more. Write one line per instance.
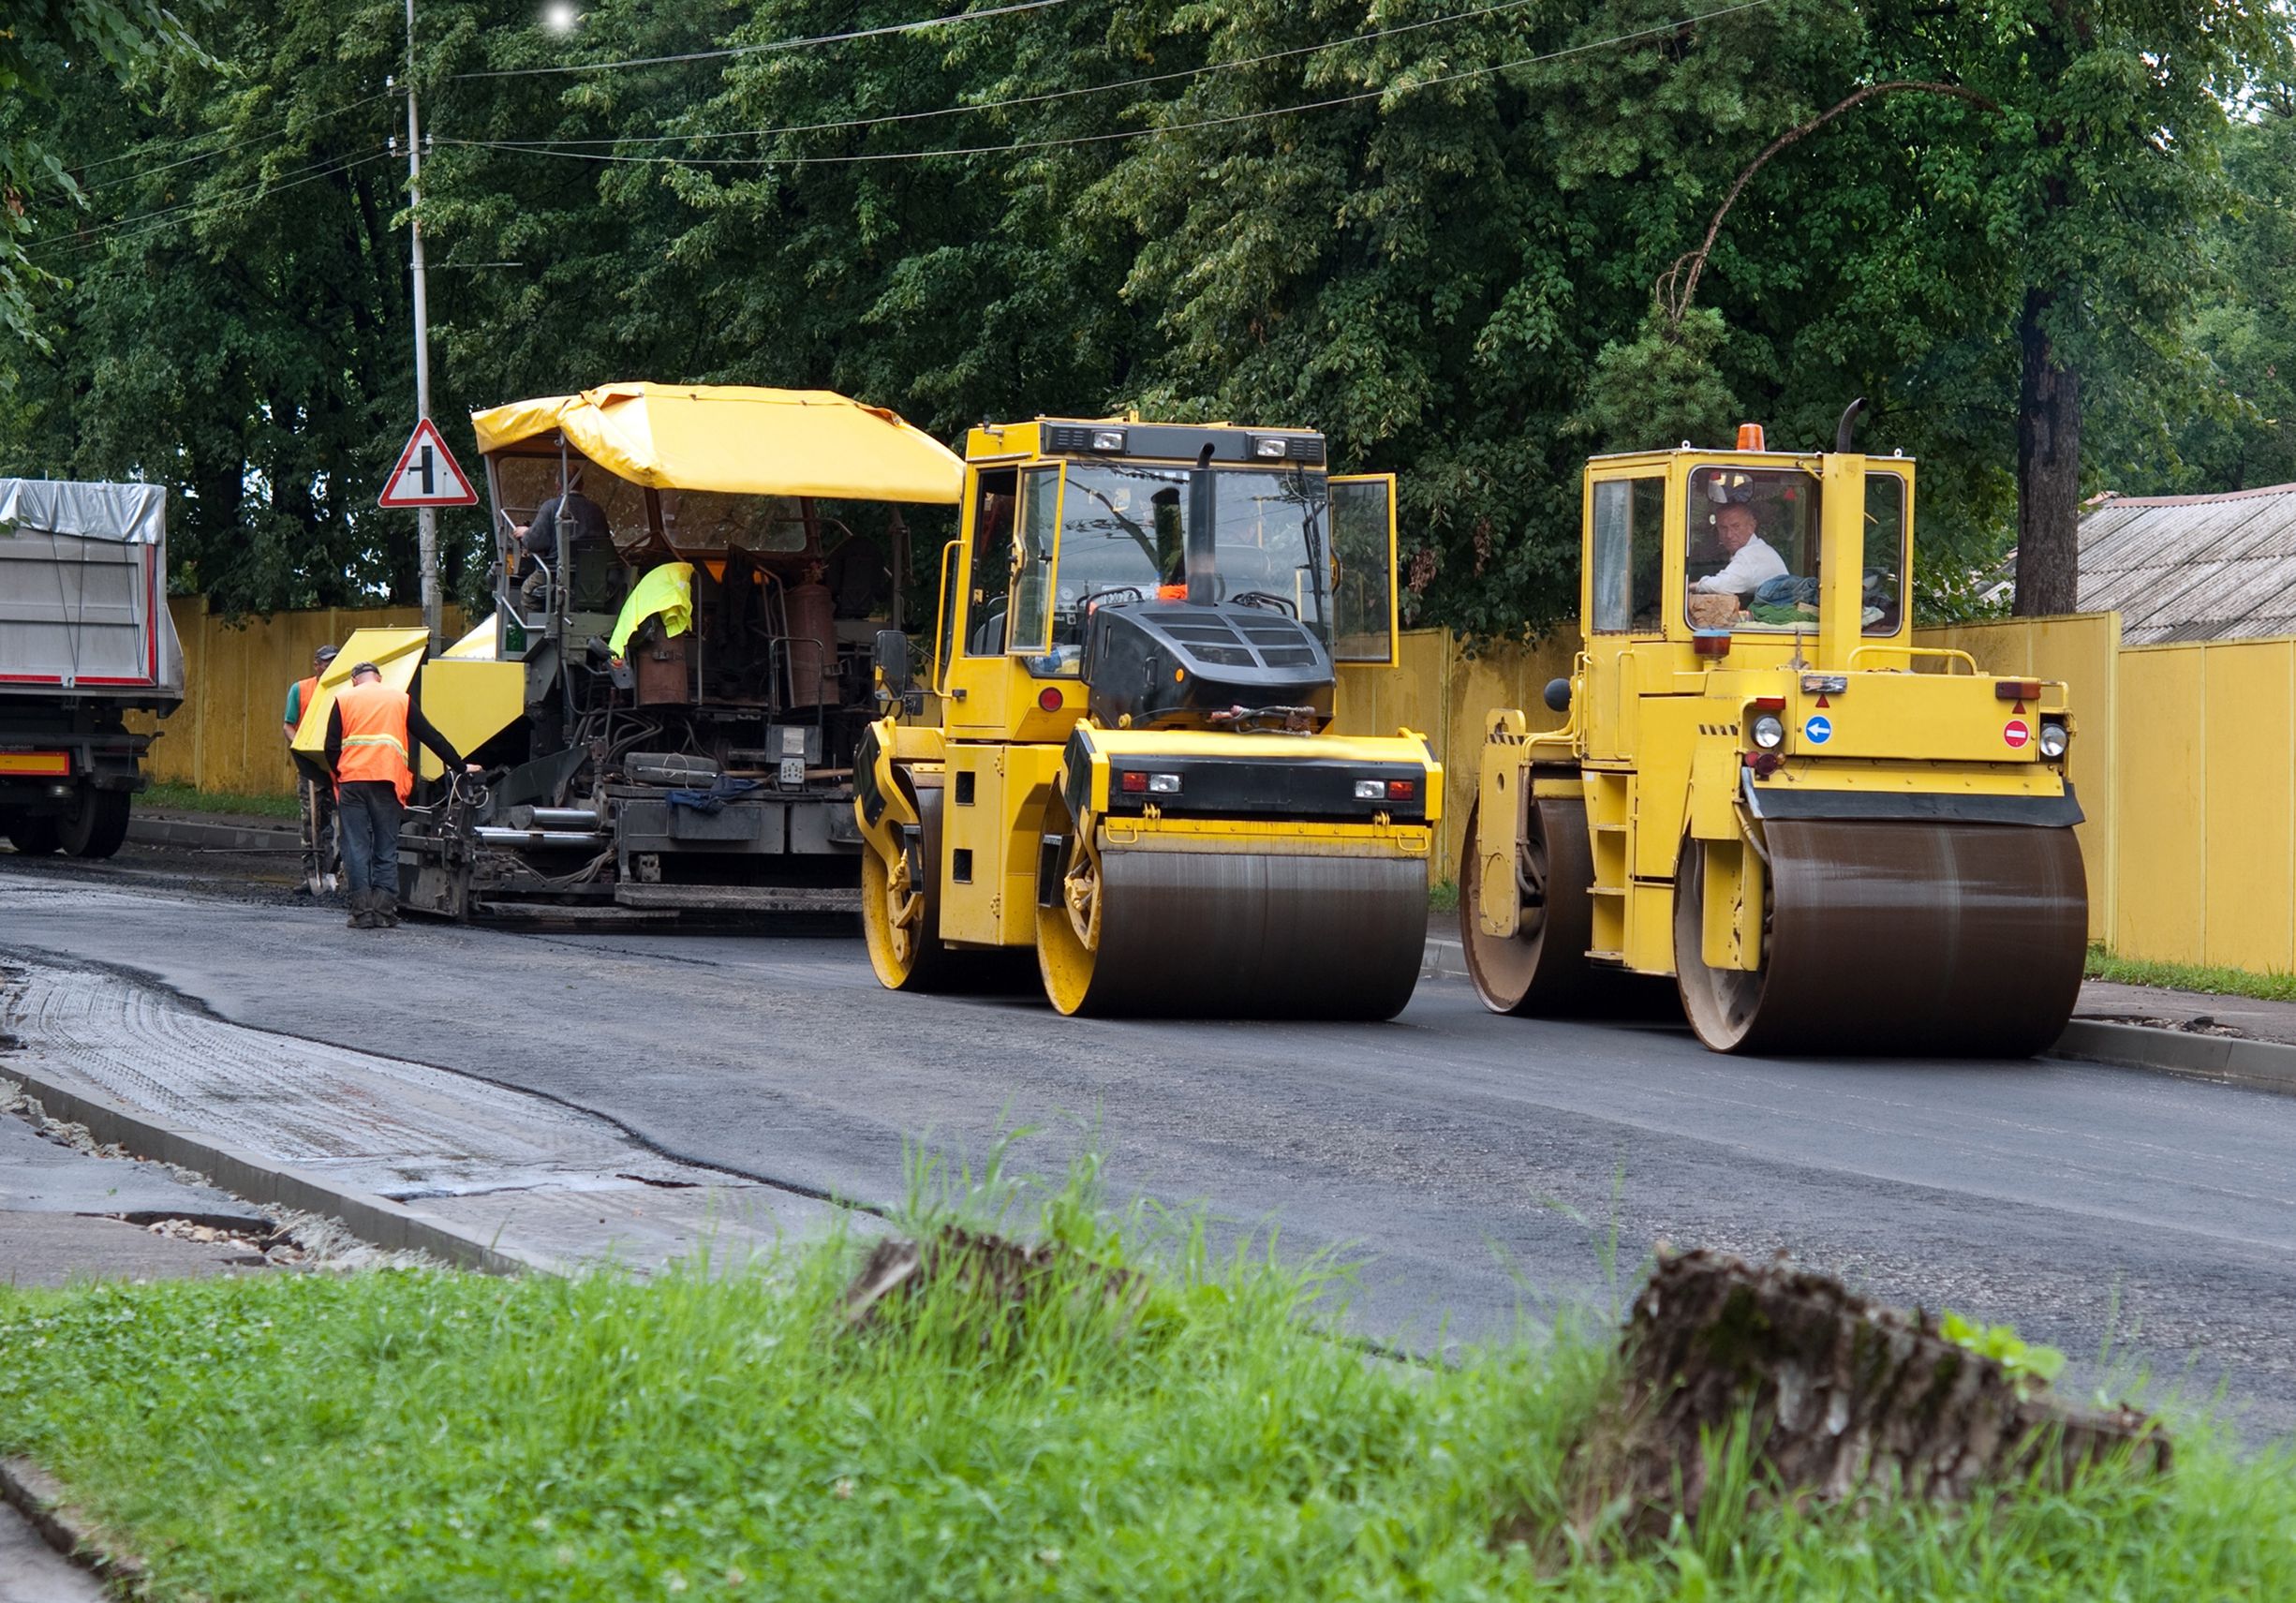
(739, 439)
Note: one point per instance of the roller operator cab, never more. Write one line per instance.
(1132, 770)
(1832, 838)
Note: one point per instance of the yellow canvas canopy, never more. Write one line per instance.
(739, 439)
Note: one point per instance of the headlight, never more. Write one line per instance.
(1769, 733)
(2054, 739)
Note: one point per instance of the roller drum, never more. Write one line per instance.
(1254, 935)
(1901, 938)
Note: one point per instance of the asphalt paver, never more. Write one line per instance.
(1480, 1170)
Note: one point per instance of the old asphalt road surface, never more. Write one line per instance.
(1475, 1166)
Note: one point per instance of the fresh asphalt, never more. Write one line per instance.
(1472, 1168)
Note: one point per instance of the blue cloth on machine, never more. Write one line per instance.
(713, 799)
(1787, 590)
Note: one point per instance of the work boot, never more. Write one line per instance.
(386, 906)
(363, 911)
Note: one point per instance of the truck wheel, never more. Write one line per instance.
(96, 826)
(32, 837)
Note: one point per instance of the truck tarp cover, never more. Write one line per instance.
(83, 592)
(739, 439)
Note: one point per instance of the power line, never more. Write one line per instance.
(211, 155)
(1368, 38)
(211, 209)
(1019, 147)
(889, 28)
(95, 234)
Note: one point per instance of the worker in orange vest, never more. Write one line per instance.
(368, 734)
(322, 851)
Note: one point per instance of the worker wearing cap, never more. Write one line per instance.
(322, 850)
(369, 731)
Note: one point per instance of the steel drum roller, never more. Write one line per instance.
(1243, 935)
(1957, 939)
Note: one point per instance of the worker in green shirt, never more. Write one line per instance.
(322, 851)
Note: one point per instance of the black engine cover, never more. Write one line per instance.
(1173, 662)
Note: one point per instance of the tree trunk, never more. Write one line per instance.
(1843, 1401)
(2047, 470)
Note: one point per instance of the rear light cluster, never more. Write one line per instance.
(1385, 790)
(1151, 785)
(2017, 690)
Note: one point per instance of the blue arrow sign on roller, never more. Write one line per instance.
(1819, 730)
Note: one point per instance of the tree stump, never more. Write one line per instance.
(1843, 1399)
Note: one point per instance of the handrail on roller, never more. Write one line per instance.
(1951, 653)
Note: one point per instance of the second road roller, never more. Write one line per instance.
(1833, 839)
(1130, 770)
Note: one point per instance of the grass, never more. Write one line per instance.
(1443, 896)
(453, 1439)
(183, 798)
(2213, 979)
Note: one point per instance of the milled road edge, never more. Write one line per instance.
(375, 1220)
(36, 1495)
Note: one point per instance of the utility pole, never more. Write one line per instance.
(427, 519)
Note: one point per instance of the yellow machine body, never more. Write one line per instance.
(1830, 837)
(1258, 877)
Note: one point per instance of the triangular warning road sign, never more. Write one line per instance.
(427, 474)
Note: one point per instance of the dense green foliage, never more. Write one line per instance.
(451, 1438)
(1444, 253)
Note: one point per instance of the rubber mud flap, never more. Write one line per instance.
(1251, 935)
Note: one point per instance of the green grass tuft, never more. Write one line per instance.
(1443, 896)
(715, 1433)
(183, 798)
(2214, 979)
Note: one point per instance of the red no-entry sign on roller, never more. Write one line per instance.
(2015, 733)
(427, 474)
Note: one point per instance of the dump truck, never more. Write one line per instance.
(85, 638)
(1129, 771)
(1833, 839)
(668, 695)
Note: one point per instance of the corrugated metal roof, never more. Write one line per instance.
(2193, 567)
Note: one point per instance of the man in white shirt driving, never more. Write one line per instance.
(1753, 562)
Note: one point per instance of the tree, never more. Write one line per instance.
(42, 43)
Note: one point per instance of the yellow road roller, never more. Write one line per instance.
(1130, 767)
(1834, 840)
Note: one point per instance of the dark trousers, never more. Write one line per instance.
(321, 849)
(369, 814)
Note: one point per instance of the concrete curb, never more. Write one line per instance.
(36, 1495)
(375, 1220)
(2228, 1060)
(211, 837)
(1445, 960)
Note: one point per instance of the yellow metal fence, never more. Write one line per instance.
(226, 736)
(2183, 756)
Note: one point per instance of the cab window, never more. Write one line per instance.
(1751, 549)
(1629, 555)
(1886, 557)
(986, 589)
(1040, 510)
